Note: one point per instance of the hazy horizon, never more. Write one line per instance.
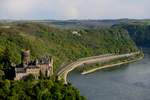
(73, 9)
(72, 19)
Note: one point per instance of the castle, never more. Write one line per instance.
(37, 67)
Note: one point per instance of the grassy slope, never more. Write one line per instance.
(62, 44)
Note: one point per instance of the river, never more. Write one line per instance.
(127, 82)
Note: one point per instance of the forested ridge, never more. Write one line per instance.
(64, 45)
(139, 32)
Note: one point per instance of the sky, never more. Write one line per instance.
(74, 9)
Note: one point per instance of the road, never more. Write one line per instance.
(63, 72)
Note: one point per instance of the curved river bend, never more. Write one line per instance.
(128, 82)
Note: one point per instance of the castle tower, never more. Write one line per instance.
(36, 62)
(25, 57)
(51, 62)
(50, 67)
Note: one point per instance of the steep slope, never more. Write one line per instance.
(64, 45)
(139, 32)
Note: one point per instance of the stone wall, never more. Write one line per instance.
(19, 76)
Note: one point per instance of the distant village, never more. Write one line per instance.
(37, 67)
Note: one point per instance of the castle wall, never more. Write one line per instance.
(44, 68)
(34, 71)
(20, 76)
(45, 65)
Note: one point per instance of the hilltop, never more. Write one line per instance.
(139, 32)
(62, 44)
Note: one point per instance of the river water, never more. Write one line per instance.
(127, 82)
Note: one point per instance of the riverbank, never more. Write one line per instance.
(111, 65)
(63, 72)
(124, 82)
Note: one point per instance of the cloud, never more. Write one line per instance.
(74, 9)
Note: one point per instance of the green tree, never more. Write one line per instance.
(1, 74)
(29, 77)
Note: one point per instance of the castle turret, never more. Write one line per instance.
(25, 57)
(51, 63)
(36, 62)
(50, 67)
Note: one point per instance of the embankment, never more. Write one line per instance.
(110, 65)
